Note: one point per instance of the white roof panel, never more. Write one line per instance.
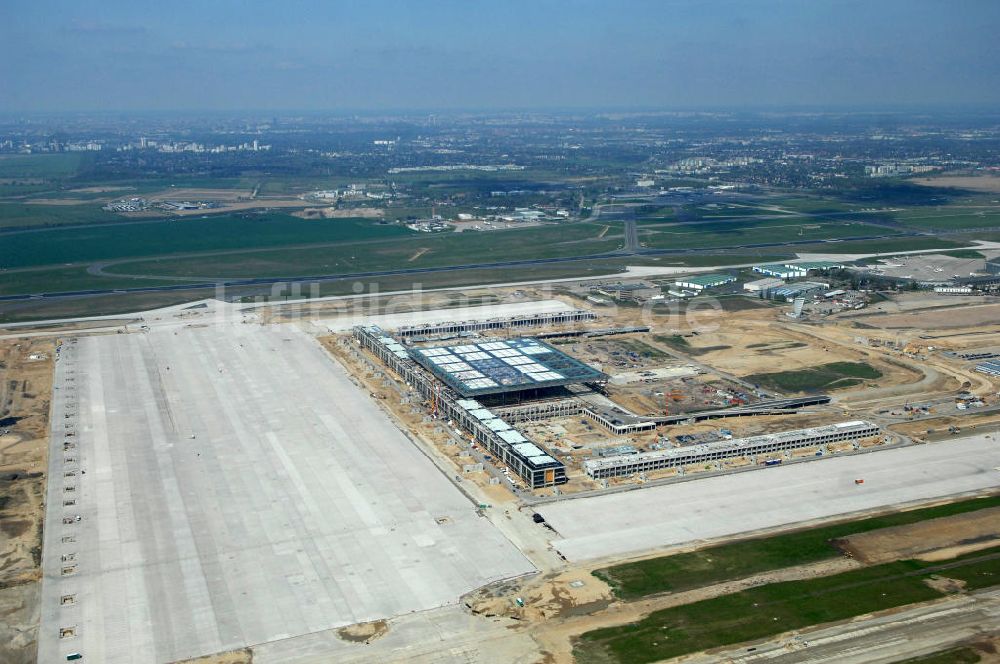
(482, 414)
(546, 375)
(534, 350)
(528, 450)
(469, 375)
(512, 437)
(478, 383)
(497, 425)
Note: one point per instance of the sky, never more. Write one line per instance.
(133, 55)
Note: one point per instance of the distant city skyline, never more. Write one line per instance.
(477, 56)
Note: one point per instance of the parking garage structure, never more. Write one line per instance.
(622, 465)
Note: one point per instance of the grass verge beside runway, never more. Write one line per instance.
(726, 562)
(950, 656)
(778, 607)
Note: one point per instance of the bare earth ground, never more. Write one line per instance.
(945, 318)
(557, 612)
(174, 194)
(761, 340)
(25, 392)
(243, 656)
(987, 183)
(935, 539)
(334, 213)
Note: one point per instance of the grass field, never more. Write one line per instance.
(42, 165)
(21, 215)
(810, 205)
(679, 343)
(57, 280)
(883, 246)
(773, 608)
(951, 218)
(80, 244)
(716, 564)
(77, 279)
(950, 656)
(963, 253)
(640, 348)
(409, 251)
(832, 376)
(751, 232)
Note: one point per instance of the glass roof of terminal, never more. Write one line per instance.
(503, 366)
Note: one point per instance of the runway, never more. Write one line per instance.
(214, 486)
(634, 522)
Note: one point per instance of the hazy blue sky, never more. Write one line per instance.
(295, 54)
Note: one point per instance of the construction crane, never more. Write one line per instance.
(675, 395)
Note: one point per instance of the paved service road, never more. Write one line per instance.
(219, 485)
(661, 516)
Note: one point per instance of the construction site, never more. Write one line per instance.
(401, 467)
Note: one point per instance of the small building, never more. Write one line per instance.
(990, 368)
(791, 291)
(700, 282)
(624, 291)
(761, 285)
(953, 290)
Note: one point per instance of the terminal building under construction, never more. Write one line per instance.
(630, 464)
(447, 376)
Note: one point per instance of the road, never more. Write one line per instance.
(920, 630)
